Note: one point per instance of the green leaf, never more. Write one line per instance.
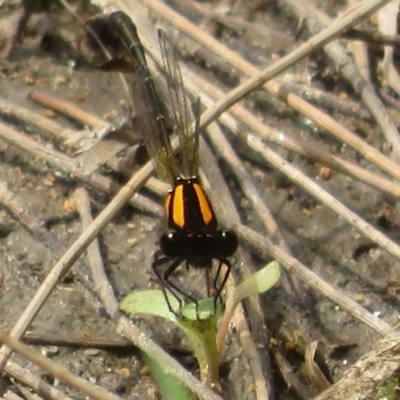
(257, 283)
(389, 390)
(170, 387)
(203, 310)
(149, 302)
(197, 322)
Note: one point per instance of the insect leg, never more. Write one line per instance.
(218, 289)
(163, 278)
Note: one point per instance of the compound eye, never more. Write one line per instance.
(229, 242)
(172, 244)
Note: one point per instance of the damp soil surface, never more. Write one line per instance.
(49, 61)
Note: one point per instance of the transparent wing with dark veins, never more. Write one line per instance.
(150, 122)
(183, 116)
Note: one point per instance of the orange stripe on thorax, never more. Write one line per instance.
(205, 207)
(178, 206)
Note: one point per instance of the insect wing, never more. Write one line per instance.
(151, 124)
(183, 116)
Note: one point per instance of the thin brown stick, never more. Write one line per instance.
(93, 343)
(69, 109)
(94, 392)
(27, 378)
(102, 285)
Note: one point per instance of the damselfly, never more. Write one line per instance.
(193, 237)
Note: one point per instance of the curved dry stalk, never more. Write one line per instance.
(314, 372)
